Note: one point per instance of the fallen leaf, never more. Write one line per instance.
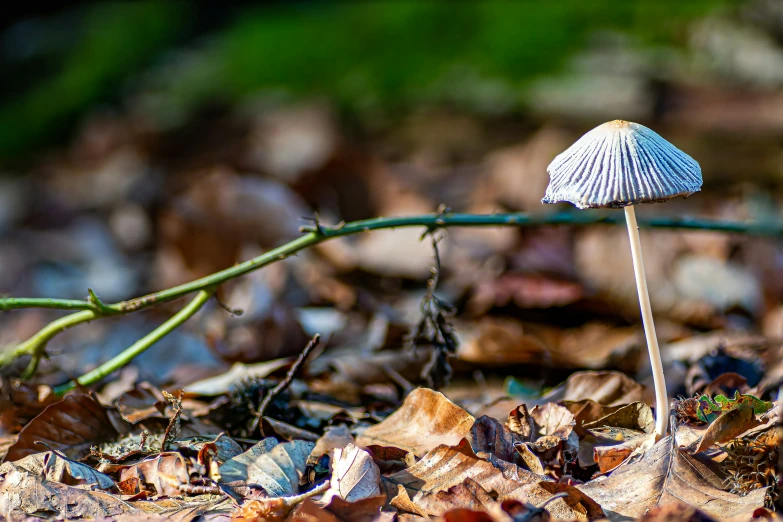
(586, 411)
(354, 475)
(675, 511)
(238, 372)
(448, 466)
(487, 435)
(729, 425)
(334, 437)
(425, 420)
(610, 456)
(274, 467)
(553, 419)
(520, 422)
(635, 416)
(663, 475)
(339, 510)
(54, 467)
(607, 388)
(142, 402)
(164, 472)
(71, 426)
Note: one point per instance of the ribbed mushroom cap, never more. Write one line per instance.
(621, 163)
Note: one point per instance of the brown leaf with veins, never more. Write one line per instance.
(354, 475)
(553, 419)
(666, 474)
(141, 403)
(729, 425)
(165, 472)
(276, 468)
(425, 420)
(445, 467)
(71, 426)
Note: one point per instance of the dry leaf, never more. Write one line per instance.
(165, 472)
(338, 510)
(54, 467)
(635, 416)
(487, 435)
(445, 467)
(729, 425)
(607, 388)
(334, 437)
(354, 475)
(142, 402)
(71, 425)
(666, 474)
(553, 419)
(277, 468)
(425, 420)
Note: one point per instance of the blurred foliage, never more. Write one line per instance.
(380, 55)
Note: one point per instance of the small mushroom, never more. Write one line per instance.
(617, 165)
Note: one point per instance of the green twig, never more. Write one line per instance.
(141, 345)
(93, 307)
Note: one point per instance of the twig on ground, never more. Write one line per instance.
(285, 383)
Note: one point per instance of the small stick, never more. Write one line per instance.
(285, 383)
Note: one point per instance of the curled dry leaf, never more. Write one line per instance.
(142, 402)
(635, 416)
(729, 425)
(425, 420)
(274, 467)
(607, 388)
(339, 510)
(448, 466)
(666, 474)
(160, 475)
(71, 425)
(487, 435)
(354, 475)
(53, 466)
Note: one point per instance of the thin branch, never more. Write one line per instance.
(285, 383)
(139, 346)
(93, 307)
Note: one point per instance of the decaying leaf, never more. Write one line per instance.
(274, 467)
(334, 437)
(447, 466)
(55, 467)
(667, 474)
(607, 388)
(143, 402)
(553, 419)
(425, 420)
(354, 475)
(71, 425)
(161, 475)
(489, 436)
(728, 425)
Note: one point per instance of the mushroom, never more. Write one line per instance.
(619, 164)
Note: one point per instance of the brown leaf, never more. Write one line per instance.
(553, 419)
(334, 437)
(71, 425)
(611, 456)
(54, 467)
(675, 511)
(729, 425)
(467, 495)
(425, 420)
(143, 402)
(445, 467)
(635, 416)
(666, 474)
(607, 388)
(25, 493)
(586, 411)
(354, 475)
(487, 435)
(164, 472)
(339, 510)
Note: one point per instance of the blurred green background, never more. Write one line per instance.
(371, 59)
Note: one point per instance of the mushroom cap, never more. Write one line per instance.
(621, 163)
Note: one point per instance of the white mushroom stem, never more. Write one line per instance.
(661, 399)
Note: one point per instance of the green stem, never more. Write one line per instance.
(139, 346)
(430, 221)
(93, 307)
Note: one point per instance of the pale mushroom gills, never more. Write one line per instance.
(619, 164)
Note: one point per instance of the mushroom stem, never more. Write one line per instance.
(661, 399)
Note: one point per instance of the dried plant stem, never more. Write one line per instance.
(661, 398)
(93, 307)
(282, 385)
